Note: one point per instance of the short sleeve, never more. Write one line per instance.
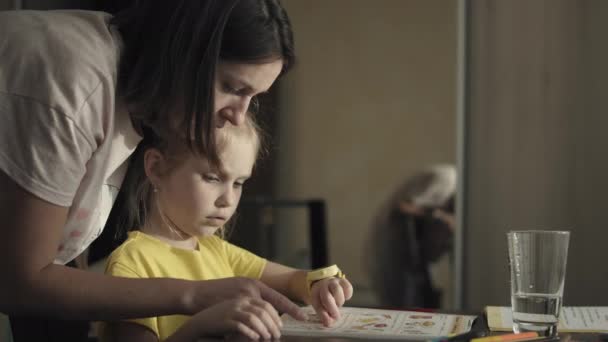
(42, 149)
(120, 270)
(243, 262)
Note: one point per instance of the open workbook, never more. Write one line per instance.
(380, 324)
(586, 319)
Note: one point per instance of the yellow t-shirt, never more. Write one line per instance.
(144, 256)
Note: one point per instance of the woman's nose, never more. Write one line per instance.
(235, 113)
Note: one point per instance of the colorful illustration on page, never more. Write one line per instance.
(371, 322)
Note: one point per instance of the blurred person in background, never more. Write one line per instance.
(412, 230)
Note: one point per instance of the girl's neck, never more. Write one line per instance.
(159, 227)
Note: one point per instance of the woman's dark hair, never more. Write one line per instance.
(171, 52)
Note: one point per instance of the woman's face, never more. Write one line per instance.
(236, 84)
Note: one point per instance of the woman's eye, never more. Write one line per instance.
(239, 185)
(231, 90)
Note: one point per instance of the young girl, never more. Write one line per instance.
(183, 202)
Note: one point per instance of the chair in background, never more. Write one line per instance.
(260, 236)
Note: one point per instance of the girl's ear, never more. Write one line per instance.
(153, 166)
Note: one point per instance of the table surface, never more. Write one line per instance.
(480, 324)
(563, 338)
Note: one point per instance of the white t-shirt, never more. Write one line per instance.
(64, 136)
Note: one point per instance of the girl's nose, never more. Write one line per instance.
(226, 199)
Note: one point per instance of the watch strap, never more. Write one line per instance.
(323, 273)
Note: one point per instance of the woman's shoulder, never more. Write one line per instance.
(57, 58)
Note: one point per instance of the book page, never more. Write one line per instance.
(571, 319)
(380, 324)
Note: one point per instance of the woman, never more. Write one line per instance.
(77, 91)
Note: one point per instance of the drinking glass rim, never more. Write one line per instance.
(539, 231)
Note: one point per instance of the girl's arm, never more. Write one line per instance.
(326, 296)
(33, 285)
(288, 281)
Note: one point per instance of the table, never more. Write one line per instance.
(480, 324)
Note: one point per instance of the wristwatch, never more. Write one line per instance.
(323, 273)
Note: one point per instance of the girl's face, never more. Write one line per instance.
(198, 198)
(236, 84)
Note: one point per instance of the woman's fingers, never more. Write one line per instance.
(281, 302)
(254, 323)
(248, 317)
(246, 331)
(268, 316)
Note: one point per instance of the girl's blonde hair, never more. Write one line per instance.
(136, 194)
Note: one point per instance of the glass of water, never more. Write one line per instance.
(537, 260)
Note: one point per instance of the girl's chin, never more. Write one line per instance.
(207, 231)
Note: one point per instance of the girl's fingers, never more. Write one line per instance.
(347, 288)
(337, 292)
(325, 318)
(323, 315)
(329, 296)
(329, 304)
(319, 309)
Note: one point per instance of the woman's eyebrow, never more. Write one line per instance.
(243, 85)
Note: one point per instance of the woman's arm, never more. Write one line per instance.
(249, 317)
(128, 332)
(32, 284)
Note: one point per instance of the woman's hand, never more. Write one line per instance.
(249, 317)
(328, 295)
(210, 292)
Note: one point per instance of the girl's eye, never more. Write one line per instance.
(211, 178)
(239, 185)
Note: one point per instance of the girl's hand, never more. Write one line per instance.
(328, 295)
(253, 318)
